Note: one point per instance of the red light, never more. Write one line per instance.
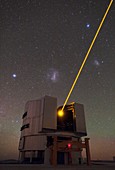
(69, 145)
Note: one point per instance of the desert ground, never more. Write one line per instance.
(97, 166)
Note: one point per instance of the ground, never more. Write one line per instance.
(99, 166)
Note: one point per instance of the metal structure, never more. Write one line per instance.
(49, 136)
(63, 146)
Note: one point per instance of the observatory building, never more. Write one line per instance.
(51, 136)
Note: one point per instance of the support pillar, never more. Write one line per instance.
(31, 156)
(19, 157)
(54, 154)
(88, 151)
(22, 156)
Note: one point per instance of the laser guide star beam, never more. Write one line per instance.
(87, 54)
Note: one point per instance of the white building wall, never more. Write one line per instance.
(50, 113)
(47, 156)
(80, 118)
(35, 143)
(40, 114)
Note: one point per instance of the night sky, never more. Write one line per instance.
(42, 45)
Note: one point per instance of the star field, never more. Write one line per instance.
(42, 45)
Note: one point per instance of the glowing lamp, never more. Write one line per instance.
(60, 113)
(69, 145)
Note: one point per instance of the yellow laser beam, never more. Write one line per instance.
(87, 54)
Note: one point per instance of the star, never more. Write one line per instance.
(96, 63)
(15, 121)
(82, 37)
(14, 75)
(88, 25)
